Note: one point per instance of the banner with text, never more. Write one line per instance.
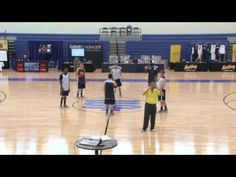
(175, 52)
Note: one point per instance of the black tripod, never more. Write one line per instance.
(108, 119)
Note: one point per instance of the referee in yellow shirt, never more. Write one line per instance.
(152, 94)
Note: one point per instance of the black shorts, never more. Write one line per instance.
(64, 93)
(81, 83)
(118, 82)
(149, 82)
(109, 101)
(162, 98)
(81, 86)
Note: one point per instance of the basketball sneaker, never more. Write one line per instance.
(153, 130)
(112, 113)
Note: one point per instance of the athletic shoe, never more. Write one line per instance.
(143, 130)
(65, 106)
(153, 130)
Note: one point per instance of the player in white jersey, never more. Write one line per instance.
(64, 81)
(116, 73)
(161, 83)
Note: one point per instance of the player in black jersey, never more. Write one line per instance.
(109, 86)
(80, 72)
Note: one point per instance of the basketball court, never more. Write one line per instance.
(200, 120)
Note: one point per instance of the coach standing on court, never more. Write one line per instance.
(152, 94)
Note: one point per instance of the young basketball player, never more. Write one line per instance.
(152, 73)
(109, 86)
(161, 85)
(64, 81)
(116, 73)
(150, 106)
(80, 72)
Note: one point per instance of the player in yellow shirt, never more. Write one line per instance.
(152, 94)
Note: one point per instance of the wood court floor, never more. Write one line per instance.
(198, 121)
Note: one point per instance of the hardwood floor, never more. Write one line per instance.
(198, 120)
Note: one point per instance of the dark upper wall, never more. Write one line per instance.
(160, 44)
(21, 44)
(150, 45)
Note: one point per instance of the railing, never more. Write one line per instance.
(120, 32)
